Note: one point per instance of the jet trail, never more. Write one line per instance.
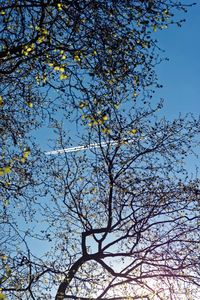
(86, 147)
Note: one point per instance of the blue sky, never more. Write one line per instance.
(180, 76)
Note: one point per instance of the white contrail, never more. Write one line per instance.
(86, 147)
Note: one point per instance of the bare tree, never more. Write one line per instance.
(120, 221)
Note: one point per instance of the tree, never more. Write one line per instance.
(69, 57)
(120, 222)
(76, 51)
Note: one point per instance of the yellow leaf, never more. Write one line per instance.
(116, 106)
(63, 76)
(154, 28)
(37, 79)
(105, 118)
(56, 68)
(5, 203)
(5, 170)
(1, 101)
(45, 31)
(77, 58)
(30, 104)
(29, 49)
(26, 153)
(44, 78)
(62, 69)
(133, 131)
(41, 39)
(3, 257)
(8, 270)
(59, 68)
(111, 81)
(59, 5)
(166, 12)
(106, 130)
(82, 104)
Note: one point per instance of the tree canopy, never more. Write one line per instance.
(79, 51)
(120, 219)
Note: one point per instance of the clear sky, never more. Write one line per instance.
(180, 76)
